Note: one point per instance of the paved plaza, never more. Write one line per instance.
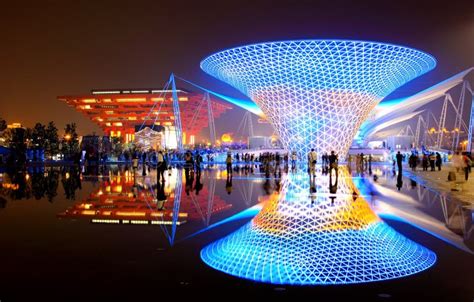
(438, 180)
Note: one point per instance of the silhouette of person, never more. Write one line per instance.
(160, 196)
(399, 181)
(399, 158)
(228, 184)
(198, 186)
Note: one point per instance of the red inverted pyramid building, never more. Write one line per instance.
(120, 112)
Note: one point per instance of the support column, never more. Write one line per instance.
(210, 117)
(471, 127)
(177, 114)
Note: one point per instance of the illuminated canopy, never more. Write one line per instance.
(317, 238)
(389, 113)
(316, 93)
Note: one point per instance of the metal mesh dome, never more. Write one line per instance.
(316, 93)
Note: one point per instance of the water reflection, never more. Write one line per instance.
(208, 197)
(321, 232)
(447, 218)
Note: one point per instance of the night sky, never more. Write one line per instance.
(52, 48)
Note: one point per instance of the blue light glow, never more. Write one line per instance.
(316, 93)
(307, 237)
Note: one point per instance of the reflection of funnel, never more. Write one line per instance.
(317, 238)
(316, 93)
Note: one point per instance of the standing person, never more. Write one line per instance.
(438, 161)
(467, 166)
(333, 162)
(399, 158)
(228, 162)
(188, 158)
(144, 164)
(312, 160)
(135, 163)
(432, 161)
(412, 161)
(198, 162)
(161, 166)
(457, 161)
(357, 163)
(424, 162)
(293, 160)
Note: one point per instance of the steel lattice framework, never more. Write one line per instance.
(316, 93)
(317, 238)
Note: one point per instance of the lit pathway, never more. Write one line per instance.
(438, 180)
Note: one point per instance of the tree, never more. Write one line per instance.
(3, 124)
(52, 139)
(18, 145)
(38, 136)
(70, 139)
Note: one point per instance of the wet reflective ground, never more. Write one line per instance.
(103, 233)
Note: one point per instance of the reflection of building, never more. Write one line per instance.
(316, 93)
(320, 232)
(118, 112)
(260, 142)
(118, 201)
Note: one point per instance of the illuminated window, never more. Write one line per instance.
(131, 100)
(89, 101)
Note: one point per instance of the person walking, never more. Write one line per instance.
(312, 160)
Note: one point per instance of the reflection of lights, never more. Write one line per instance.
(316, 93)
(27, 176)
(322, 238)
(10, 186)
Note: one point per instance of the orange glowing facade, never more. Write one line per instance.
(120, 112)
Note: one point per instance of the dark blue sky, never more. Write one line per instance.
(69, 47)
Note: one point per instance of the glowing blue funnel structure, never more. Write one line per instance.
(305, 237)
(316, 93)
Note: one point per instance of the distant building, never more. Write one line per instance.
(260, 142)
(397, 142)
